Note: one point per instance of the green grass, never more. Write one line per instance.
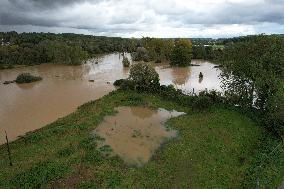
(216, 148)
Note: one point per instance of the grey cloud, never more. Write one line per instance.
(229, 13)
(122, 16)
(47, 4)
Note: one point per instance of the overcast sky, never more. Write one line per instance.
(137, 18)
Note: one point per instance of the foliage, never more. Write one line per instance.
(125, 61)
(182, 53)
(153, 49)
(248, 65)
(206, 99)
(127, 84)
(206, 52)
(159, 49)
(202, 102)
(275, 110)
(141, 54)
(118, 82)
(144, 77)
(37, 48)
(253, 72)
(27, 78)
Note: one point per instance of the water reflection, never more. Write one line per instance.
(200, 79)
(27, 86)
(180, 75)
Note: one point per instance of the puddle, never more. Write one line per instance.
(135, 133)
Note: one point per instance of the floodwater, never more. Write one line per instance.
(187, 78)
(26, 107)
(135, 133)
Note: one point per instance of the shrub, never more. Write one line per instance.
(214, 95)
(202, 102)
(27, 78)
(144, 77)
(118, 82)
(125, 62)
(127, 85)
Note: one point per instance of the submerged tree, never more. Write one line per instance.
(182, 53)
(27, 78)
(125, 61)
(141, 54)
(153, 49)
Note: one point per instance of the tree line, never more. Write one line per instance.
(37, 48)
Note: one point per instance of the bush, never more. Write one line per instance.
(118, 82)
(202, 102)
(127, 85)
(125, 62)
(215, 96)
(144, 77)
(27, 78)
(124, 84)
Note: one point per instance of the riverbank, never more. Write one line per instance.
(218, 148)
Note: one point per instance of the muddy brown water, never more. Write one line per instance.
(135, 133)
(26, 107)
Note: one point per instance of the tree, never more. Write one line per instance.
(36, 48)
(182, 53)
(141, 54)
(125, 61)
(275, 109)
(253, 69)
(144, 77)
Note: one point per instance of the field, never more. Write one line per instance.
(217, 148)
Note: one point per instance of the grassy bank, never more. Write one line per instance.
(216, 148)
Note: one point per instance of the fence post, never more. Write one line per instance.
(8, 149)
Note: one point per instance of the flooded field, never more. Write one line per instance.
(187, 78)
(135, 133)
(26, 107)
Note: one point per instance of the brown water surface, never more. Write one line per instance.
(187, 78)
(135, 133)
(26, 107)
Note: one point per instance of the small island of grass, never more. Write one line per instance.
(27, 78)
